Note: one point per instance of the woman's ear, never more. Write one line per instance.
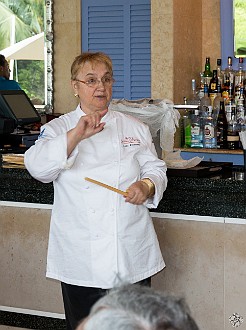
(74, 85)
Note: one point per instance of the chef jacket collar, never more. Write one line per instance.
(81, 113)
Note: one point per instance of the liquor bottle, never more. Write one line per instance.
(240, 73)
(232, 132)
(239, 79)
(205, 100)
(187, 127)
(229, 104)
(196, 130)
(207, 74)
(209, 130)
(193, 98)
(201, 86)
(240, 111)
(222, 128)
(228, 78)
(217, 100)
(213, 87)
(219, 71)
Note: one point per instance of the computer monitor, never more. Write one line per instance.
(16, 104)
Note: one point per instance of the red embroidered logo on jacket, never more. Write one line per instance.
(130, 141)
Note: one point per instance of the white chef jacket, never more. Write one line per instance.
(96, 238)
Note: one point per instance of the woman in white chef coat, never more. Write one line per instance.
(98, 237)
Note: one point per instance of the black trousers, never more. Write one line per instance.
(78, 301)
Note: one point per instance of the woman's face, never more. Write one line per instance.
(93, 98)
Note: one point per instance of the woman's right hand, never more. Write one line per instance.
(87, 126)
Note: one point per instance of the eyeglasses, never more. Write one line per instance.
(94, 82)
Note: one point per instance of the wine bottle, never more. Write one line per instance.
(207, 74)
(222, 128)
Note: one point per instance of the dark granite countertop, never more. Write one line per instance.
(219, 196)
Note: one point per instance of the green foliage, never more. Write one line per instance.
(28, 16)
(240, 27)
(31, 78)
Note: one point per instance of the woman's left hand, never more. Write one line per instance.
(137, 193)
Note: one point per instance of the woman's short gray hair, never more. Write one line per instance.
(135, 307)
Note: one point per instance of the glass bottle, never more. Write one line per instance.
(207, 74)
(196, 130)
(213, 87)
(209, 130)
(222, 127)
(229, 104)
(193, 98)
(240, 111)
(201, 86)
(239, 79)
(228, 78)
(205, 100)
(217, 100)
(219, 71)
(232, 132)
(187, 127)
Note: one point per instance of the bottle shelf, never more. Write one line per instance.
(214, 155)
(212, 151)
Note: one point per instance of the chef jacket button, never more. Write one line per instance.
(93, 211)
(115, 162)
(87, 187)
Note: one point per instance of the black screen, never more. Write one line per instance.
(17, 105)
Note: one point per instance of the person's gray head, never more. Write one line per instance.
(136, 307)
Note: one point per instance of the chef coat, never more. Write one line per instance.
(96, 238)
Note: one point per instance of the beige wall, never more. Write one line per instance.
(24, 242)
(184, 32)
(67, 45)
(205, 264)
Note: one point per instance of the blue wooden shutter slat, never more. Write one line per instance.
(123, 32)
(140, 51)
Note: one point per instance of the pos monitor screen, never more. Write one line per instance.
(16, 104)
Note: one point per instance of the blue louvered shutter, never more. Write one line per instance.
(121, 30)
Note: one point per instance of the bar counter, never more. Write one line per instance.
(221, 195)
(200, 225)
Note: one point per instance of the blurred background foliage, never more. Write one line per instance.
(28, 18)
(240, 28)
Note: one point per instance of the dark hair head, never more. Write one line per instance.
(2, 60)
